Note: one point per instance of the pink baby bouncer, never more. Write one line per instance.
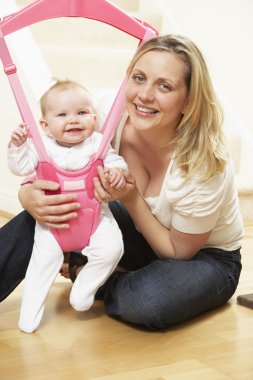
(81, 181)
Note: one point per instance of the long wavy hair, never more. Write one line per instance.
(200, 142)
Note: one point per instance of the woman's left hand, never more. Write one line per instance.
(104, 192)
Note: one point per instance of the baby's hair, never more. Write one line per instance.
(60, 85)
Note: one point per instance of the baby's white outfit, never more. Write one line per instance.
(103, 252)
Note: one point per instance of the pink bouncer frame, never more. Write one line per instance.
(100, 10)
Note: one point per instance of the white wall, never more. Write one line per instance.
(35, 77)
(223, 31)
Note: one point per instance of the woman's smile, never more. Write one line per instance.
(145, 111)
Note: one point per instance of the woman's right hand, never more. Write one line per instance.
(53, 211)
(104, 192)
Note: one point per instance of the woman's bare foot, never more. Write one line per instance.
(65, 270)
(78, 266)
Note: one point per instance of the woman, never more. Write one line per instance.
(179, 212)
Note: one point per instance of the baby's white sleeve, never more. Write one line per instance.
(22, 160)
(113, 160)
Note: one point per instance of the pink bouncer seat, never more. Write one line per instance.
(80, 182)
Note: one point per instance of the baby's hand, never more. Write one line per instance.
(19, 135)
(115, 177)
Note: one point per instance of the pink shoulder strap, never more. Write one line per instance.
(39, 10)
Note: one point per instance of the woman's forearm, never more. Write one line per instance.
(167, 243)
(153, 231)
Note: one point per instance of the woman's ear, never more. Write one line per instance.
(44, 126)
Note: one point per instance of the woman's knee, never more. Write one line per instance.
(134, 305)
(141, 313)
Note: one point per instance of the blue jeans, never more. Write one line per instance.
(158, 293)
(155, 293)
(16, 244)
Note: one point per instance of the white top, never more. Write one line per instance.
(23, 160)
(195, 208)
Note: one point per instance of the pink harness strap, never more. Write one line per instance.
(80, 182)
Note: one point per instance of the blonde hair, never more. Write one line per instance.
(200, 143)
(59, 85)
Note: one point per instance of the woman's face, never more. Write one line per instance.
(156, 93)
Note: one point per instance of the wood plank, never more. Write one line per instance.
(91, 345)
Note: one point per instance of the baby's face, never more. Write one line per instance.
(69, 117)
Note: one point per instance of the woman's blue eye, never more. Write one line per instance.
(165, 86)
(138, 78)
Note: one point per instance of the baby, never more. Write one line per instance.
(69, 125)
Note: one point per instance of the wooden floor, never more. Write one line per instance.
(71, 345)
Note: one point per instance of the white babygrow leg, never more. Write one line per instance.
(45, 263)
(104, 252)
